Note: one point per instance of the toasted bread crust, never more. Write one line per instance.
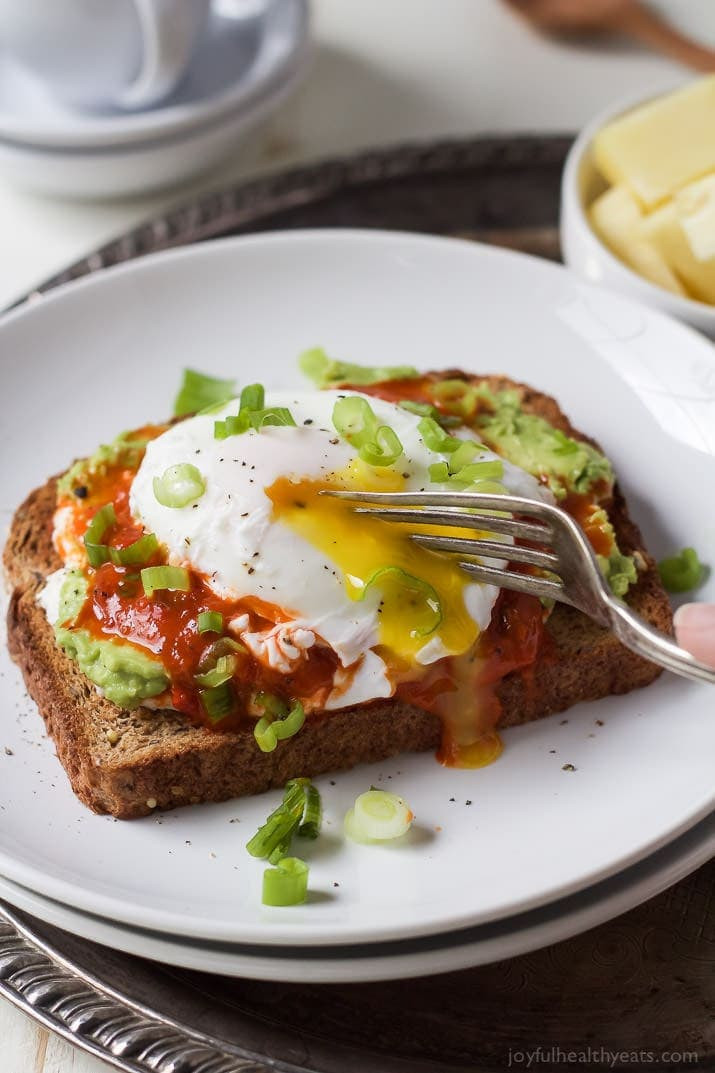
(160, 757)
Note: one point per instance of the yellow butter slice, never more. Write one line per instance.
(616, 217)
(661, 146)
(664, 230)
(695, 207)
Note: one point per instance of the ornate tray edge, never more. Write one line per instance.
(84, 1013)
(247, 203)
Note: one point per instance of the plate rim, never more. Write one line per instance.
(559, 921)
(155, 919)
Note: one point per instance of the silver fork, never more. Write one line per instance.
(576, 577)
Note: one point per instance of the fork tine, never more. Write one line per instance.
(506, 579)
(483, 522)
(513, 504)
(489, 548)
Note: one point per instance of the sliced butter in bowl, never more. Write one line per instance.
(664, 229)
(616, 217)
(695, 205)
(661, 146)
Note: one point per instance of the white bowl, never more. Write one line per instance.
(583, 250)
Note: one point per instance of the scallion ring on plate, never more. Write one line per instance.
(179, 485)
(287, 883)
(378, 816)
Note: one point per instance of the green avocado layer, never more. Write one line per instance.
(531, 443)
(125, 450)
(124, 673)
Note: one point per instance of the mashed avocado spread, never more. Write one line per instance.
(126, 450)
(529, 441)
(124, 673)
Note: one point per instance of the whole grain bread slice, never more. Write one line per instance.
(127, 763)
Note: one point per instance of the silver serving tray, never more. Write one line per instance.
(645, 981)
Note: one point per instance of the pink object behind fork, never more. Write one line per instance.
(695, 630)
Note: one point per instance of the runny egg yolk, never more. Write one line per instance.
(362, 545)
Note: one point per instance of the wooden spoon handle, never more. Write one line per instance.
(647, 26)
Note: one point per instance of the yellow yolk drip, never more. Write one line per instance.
(359, 546)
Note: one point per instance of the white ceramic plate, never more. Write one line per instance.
(105, 354)
(411, 957)
(237, 63)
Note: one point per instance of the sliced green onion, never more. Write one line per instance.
(256, 419)
(425, 409)
(435, 438)
(210, 622)
(281, 850)
(179, 485)
(270, 730)
(199, 392)
(253, 397)
(287, 883)
(480, 471)
(465, 453)
(312, 818)
(102, 522)
(491, 488)
(276, 415)
(137, 552)
(439, 472)
(456, 397)
(175, 578)
(354, 419)
(282, 822)
(408, 584)
(224, 646)
(384, 451)
(271, 704)
(378, 816)
(224, 670)
(217, 701)
(681, 572)
(326, 372)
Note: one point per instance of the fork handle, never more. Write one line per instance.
(632, 631)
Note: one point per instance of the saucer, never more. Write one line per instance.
(141, 167)
(237, 66)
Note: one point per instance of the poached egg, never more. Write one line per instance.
(315, 570)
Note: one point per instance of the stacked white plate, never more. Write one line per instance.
(584, 815)
(242, 69)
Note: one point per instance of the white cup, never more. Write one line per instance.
(93, 54)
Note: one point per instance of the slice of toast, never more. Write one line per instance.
(129, 762)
